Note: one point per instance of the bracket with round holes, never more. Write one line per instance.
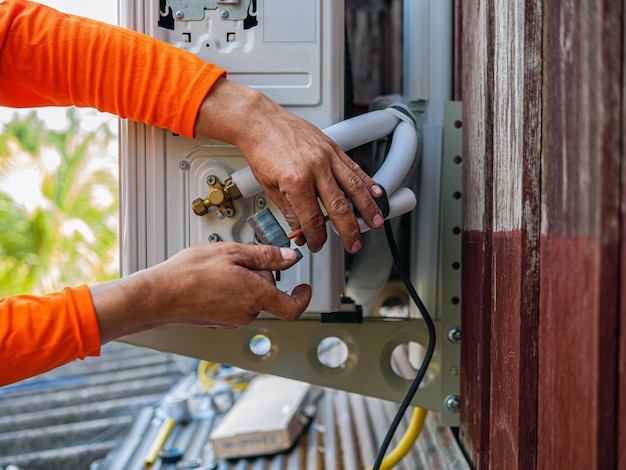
(355, 357)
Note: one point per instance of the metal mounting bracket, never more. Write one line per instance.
(292, 350)
(193, 10)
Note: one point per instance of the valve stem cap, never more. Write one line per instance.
(267, 229)
(198, 207)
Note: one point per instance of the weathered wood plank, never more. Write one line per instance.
(579, 260)
(543, 209)
(530, 233)
(621, 405)
(477, 79)
(516, 197)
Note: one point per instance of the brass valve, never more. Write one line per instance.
(219, 195)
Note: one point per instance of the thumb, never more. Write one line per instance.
(287, 307)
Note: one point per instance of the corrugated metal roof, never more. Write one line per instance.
(74, 415)
(101, 414)
(344, 435)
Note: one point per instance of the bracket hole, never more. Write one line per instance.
(332, 352)
(456, 230)
(260, 345)
(457, 159)
(406, 359)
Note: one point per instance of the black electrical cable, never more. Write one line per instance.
(430, 349)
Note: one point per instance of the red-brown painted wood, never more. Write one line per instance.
(502, 116)
(621, 406)
(477, 208)
(543, 267)
(579, 256)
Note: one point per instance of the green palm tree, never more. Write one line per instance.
(59, 227)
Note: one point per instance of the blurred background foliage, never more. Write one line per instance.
(58, 205)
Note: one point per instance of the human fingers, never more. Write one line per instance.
(309, 216)
(265, 296)
(267, 275)
(260, 260)
(359, 187)
(287, 307)
(265, 257)
(326, 185)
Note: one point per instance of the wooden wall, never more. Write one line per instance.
(544, 262)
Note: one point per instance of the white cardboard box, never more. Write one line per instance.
(267, 418)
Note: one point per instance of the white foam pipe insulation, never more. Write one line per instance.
(360, 130)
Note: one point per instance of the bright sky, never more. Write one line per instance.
(101, 10)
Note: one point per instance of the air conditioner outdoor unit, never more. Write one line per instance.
(292, 51)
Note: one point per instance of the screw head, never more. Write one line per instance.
(454, 334)
(179, 15)
(452, 403)
(228, 212)
(183, 165)
(261, 202)
(224, 14)
(214, 237)
(210, 179)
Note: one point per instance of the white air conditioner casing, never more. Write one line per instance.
(294, 55)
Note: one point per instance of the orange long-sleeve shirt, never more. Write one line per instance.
(48, 58)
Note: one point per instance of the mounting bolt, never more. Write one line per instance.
(261, 202)
(214, 237)
(228, 212)
(179, 15)
(454, 334)
(183, 165)
(452, 403)
(210, 180)
(224, 14)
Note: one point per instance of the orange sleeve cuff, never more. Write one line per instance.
(48, 58)
(38, 334)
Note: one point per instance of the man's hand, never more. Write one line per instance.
(219, 284)
(295, 162)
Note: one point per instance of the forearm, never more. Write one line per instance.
(126, 306)
(40, 333)
(236, 114)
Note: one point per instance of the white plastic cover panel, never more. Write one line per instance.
(279, 49)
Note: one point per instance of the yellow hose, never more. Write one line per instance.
(208, 373)
(407, 441)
